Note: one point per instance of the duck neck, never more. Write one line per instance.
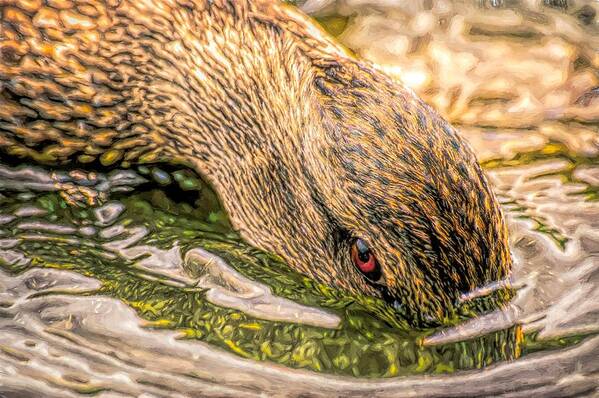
(242, 108)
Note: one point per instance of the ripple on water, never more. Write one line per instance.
(261, 310)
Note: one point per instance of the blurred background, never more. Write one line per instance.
(524, 68)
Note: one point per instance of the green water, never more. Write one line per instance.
(371, 341)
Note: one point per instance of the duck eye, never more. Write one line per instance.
(365, 260)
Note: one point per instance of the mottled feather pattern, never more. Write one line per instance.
(307, 147)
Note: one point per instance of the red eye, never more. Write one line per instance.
(364, 259)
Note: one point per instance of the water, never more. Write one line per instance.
(98, 295)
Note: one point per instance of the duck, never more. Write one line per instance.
(316, 156)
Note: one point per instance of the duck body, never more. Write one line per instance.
(314, 154)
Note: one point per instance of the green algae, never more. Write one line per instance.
(367, 343)
(371, 341)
